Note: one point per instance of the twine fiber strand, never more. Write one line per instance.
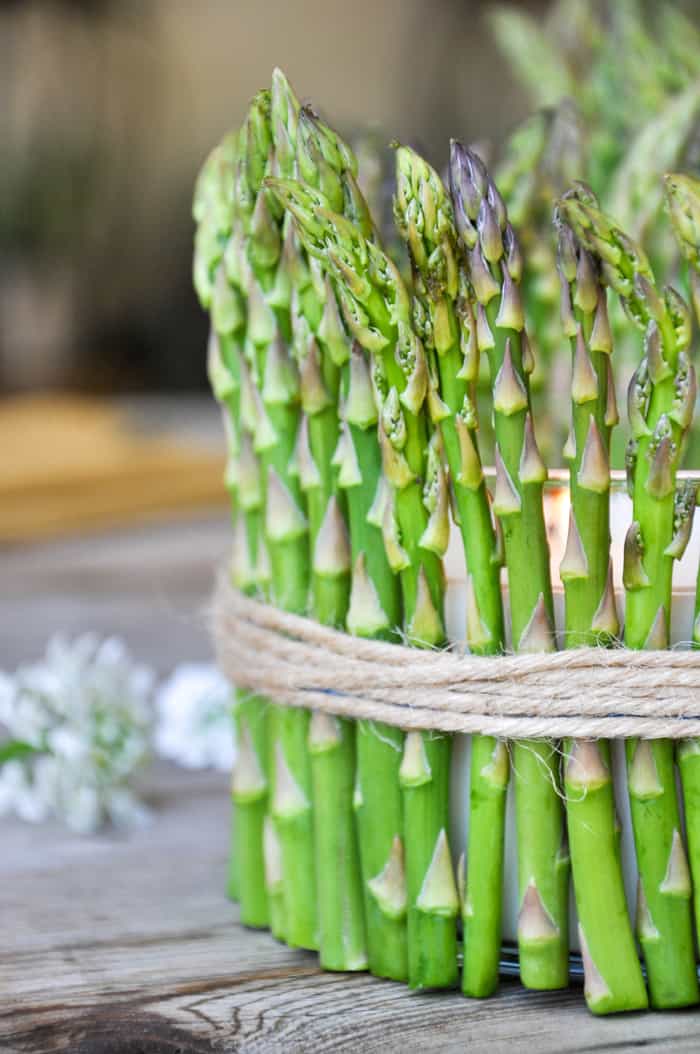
(583, 692)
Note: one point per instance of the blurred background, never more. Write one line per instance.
(109, 107)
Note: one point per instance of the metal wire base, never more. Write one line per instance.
(508, 965)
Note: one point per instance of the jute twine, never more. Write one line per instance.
(582, 692)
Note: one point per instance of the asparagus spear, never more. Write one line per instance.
(250, 781)
(268, 266)
(543, 156)
(442, 301)
(322, 349)
(214, 213)
(374, 611)
(375, 601)
(376, 307)
(495, 269)
(613, 978)
(660, 404)
(683, 197)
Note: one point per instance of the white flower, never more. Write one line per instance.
(82, 721)
(195, 726)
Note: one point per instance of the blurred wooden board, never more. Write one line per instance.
(70, 464)
(126, 945)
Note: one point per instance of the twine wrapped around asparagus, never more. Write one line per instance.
(570, 693)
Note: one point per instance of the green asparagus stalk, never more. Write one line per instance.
(543, 156)
(442, 302)
(258, 851)
(250, 783)
(320, 351)
(342, 943)
(660, 404)
(268, 264)
(683, 200)
(683, 197)
(374, 612)
(376, 307)
(375, 605)
(495, 269)
(213, 208)
(613, 977)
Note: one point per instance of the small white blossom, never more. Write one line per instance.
(195, 725)
(77, 725)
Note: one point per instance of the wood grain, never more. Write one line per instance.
(125, 944)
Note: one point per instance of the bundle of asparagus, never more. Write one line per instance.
(350, 402)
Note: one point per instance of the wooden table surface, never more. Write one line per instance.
(126, 945)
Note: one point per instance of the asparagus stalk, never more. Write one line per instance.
(442, 302)
(683, 197)
(660, 404)
(322, 348)
(342, 943)
(543, 156)
(495, 268)
(375, 607)
(213, 211)
(376, 306)
(268, 265)
(613, 977)
(251, 556)
(375, 612)
(250, 783)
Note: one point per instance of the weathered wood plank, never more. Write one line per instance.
(127, 944)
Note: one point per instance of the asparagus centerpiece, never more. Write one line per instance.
(349, 398)
(495, 268)
(444, 314)
(661, 398)
(613, 978)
